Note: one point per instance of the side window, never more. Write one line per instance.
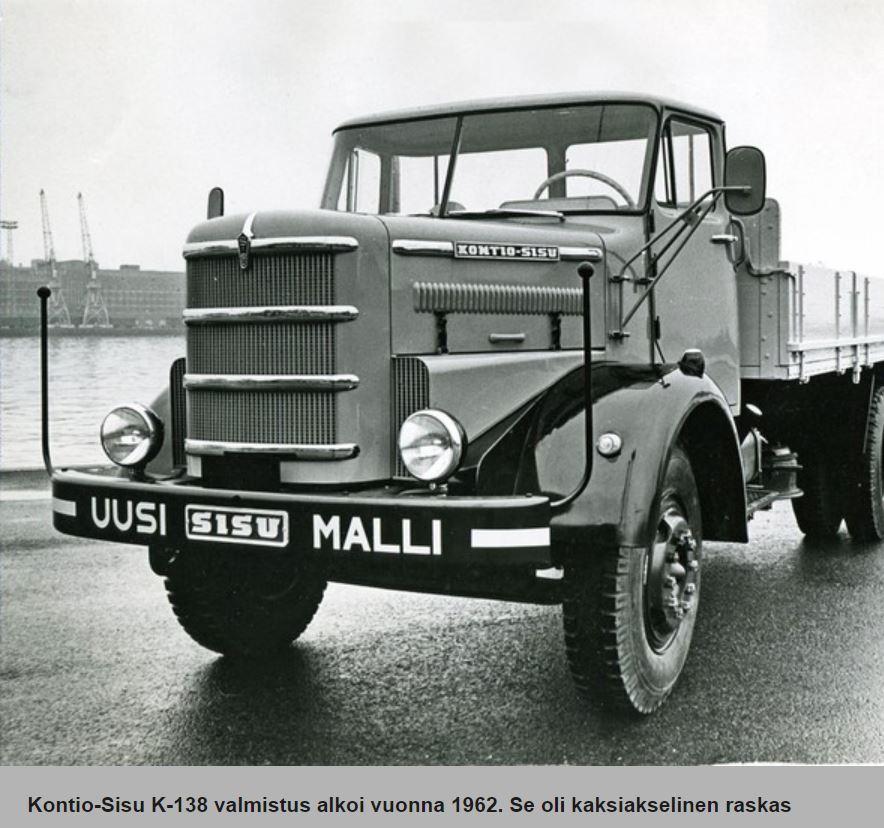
(684, 165)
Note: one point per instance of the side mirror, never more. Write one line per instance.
(744, 167)
(215, 206)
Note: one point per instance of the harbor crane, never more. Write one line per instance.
(58, 309)
(95, 313)
(9, 225)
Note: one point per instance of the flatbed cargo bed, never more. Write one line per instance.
(798, 321)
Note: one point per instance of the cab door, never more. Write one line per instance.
(695, 302)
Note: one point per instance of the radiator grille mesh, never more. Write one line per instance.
(262, 416)
(411, 392)
(271, 348)
(292, 279)
(261, 348)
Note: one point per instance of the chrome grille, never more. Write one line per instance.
(284, 279)
(273, 347)
(411, 392)
(262, 416)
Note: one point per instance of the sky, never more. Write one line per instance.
(143, 105)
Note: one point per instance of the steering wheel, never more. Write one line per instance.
(559, 176)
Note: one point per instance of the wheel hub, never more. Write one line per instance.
(673, 574)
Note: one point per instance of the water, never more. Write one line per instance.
(88, 377)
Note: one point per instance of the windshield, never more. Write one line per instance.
(587, 158)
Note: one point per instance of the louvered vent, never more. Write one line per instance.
(411, 392)
(179, 410)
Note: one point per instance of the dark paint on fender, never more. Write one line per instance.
(619, 504)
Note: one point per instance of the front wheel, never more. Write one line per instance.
(629, 613)
(240, 603)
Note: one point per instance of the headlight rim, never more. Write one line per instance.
(153, 443)
(456, 433)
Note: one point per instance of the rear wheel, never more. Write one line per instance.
(819, 510)
(629, 613)
(865, 493)
(242, 603)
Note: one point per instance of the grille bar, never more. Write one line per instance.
(338, 451)
(272, 382)
(301, 244)
(286, 313)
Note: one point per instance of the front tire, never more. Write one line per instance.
(242, 603)
(629, 612)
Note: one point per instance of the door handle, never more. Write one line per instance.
(724, 238)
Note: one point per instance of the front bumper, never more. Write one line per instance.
(366, 525)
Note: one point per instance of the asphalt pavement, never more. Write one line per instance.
(787, 665)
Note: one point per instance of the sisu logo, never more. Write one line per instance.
(369, 536)
(144, 517)
(510, 252)
(260, 527)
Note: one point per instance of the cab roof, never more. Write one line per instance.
(525, 102)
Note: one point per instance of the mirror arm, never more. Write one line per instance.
(715, 192)
(652, 284)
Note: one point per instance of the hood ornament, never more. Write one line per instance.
(244, 242)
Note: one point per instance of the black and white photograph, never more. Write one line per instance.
(441, 383)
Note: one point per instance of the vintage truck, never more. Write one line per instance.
(536, 349)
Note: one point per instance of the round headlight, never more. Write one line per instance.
(431, 444)
(131, 435)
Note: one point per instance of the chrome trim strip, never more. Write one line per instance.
(587, 254)
(327, 243)
(210, 248)
(423, 247)
(332, 244)
(271, 382)
(271, 313)
(301, 451)
(419, 247)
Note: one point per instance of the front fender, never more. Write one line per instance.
(650, 408)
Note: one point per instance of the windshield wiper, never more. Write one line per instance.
(503, 212)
